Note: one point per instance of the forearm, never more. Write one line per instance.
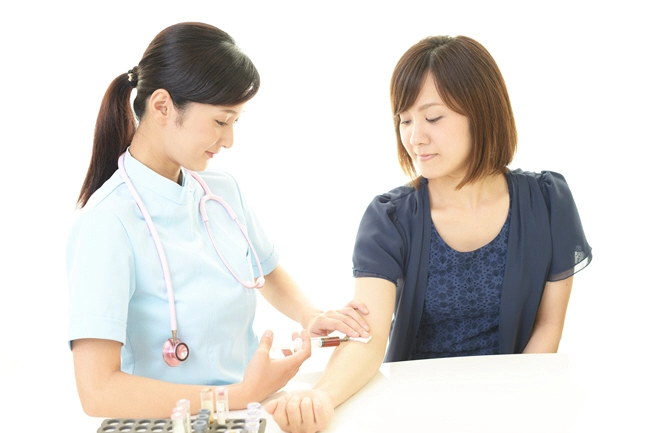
(351, 366)
(549, 323)
(124, 395)
(283, 293)
(106, 391)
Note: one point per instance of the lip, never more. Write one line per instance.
(426, 157)
(210, 154)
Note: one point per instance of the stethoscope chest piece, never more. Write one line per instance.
(175, 351)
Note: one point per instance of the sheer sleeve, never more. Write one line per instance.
(379, 248)
(571, 251)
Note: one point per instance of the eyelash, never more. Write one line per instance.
(406, 122)
(221, 123)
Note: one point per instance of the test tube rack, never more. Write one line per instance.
(164, 425)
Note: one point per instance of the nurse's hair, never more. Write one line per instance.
(470, 83)
(193, 62)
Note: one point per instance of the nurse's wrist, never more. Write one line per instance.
(309, 319)
(239, 395)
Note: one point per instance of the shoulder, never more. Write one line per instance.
(105, 196)
(551, 185)
(110, 207)
(403, 199)
(544, 179)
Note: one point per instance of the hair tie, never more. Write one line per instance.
(133, 76)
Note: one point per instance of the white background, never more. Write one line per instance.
(314, 147)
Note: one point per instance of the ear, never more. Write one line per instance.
(161, 106)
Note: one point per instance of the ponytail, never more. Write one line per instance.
(114, 131)
(194, 62)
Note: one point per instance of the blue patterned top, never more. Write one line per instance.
(463, 296)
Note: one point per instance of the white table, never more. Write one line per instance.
(503, 393)
(550, 393)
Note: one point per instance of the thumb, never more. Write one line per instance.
(271, 406)
(266, 341)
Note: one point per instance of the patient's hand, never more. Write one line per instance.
(302, 411)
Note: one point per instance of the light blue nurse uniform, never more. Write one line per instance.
(117, 289)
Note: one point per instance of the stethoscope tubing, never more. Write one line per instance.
(156, 239)
(258, 283)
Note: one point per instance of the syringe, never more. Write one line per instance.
(316, 342)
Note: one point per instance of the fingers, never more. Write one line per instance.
(359, 306)
(346, 320)
(307, 412)
(294, 414)
(320, 417)
(304, 413)
(294, 336)
(266, 341)
(271, 406)
(305, 351)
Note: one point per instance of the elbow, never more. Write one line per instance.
(545, 339)
(95, 400)
(92, 405)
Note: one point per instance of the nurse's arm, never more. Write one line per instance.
(283, 293)
(549, 321)
(351, 366)
(107, 392)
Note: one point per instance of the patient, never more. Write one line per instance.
(471, 257)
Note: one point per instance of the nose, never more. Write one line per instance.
(227, 138)
(417, 134)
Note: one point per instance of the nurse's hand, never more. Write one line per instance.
(347, 320)
(302, 411)
(265, 375)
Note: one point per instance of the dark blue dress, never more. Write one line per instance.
(545, 242)
(461, 307)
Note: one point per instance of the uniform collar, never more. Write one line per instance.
(146, 179)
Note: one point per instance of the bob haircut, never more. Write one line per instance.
(469, 83)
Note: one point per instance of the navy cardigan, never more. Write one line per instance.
(545, 243)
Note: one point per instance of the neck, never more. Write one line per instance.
(443, 192)
(146, 149)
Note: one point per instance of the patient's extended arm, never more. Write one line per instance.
(350, 367)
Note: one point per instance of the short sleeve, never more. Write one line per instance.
(379, 248)
(100, 273)
(571, 251)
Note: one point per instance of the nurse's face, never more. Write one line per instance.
(199, 132)
(436, 138)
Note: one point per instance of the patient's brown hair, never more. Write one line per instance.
(470, 83)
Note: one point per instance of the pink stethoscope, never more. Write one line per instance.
(174, 350)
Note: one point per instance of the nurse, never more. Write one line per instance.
(164, 264)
